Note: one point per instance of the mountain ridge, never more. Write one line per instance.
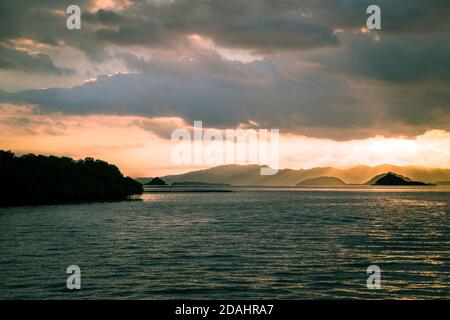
(249, 175)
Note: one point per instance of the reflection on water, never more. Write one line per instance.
(252, 243)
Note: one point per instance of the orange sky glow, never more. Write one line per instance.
(131, 143)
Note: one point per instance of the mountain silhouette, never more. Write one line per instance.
(249, 175)
(393, 179)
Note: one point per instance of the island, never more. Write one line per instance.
(442, 183)
(36, 179)
(198, 183)
(322, 181)
(394, 179)
(156, 182)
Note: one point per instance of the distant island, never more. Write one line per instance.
(322, 181)
(198, 183)
(35, 179)
(160, 182)
(156, 182)
(393, 179)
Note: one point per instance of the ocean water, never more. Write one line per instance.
(279, 243)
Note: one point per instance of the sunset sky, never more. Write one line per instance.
(340, 95)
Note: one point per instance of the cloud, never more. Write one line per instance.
(257, 25)
(285, 93)
(406, 59)
(410, 76)
(316, 73)
(23, 60)
(265, 26)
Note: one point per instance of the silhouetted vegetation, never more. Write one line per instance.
(32, 179)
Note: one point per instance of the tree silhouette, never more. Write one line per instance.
(31, 179)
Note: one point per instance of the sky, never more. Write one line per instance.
(340, 94)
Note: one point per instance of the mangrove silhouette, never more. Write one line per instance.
(35, 179)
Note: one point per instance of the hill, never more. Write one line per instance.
(156, 182)
(393, 179)
(249, 175)
(31, 179)
(322, 181)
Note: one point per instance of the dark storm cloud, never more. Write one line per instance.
(11, 59)
(221, 94)
(105, 17)
(258, 25)
(411, 73)
(406, 59)
(273, 94)
(264, 26)
(45, 22)
(321, 75)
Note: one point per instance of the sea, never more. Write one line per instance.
(248, 243)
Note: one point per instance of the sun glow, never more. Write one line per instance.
(141, 146)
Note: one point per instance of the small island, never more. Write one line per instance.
(394, 179)
(185, 186)
(198, 183)
(322, 181)
(156, 182)
(35, 179)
